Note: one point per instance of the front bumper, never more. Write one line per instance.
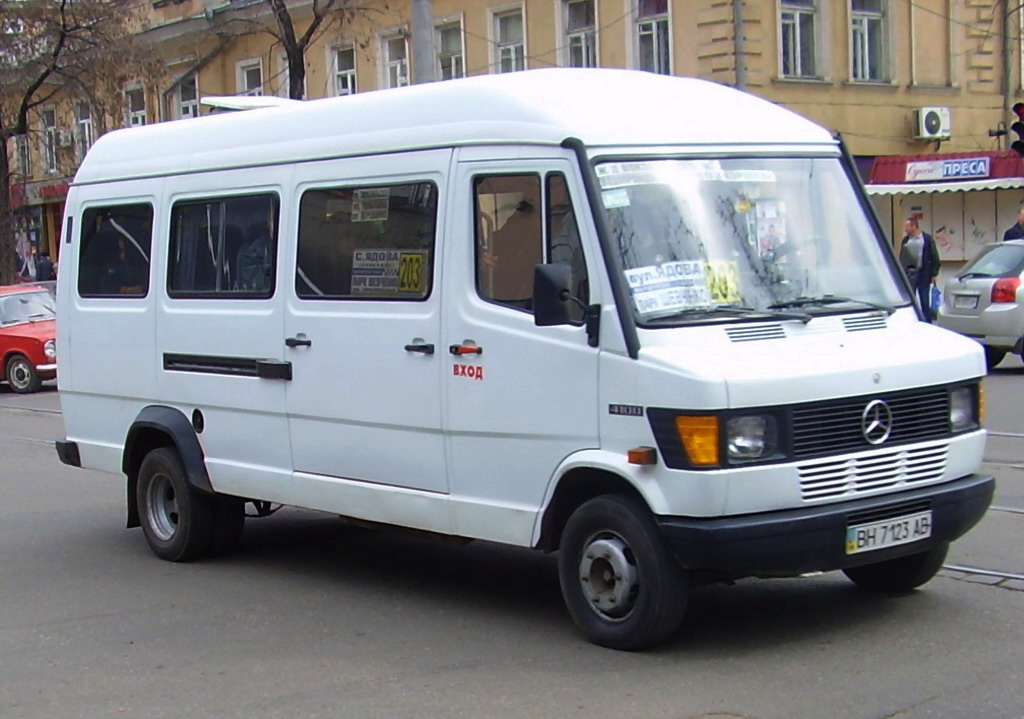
(809, 539)
(46, 368)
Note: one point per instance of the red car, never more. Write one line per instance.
(28, 332)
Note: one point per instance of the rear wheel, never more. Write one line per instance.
(620, 583)
(993, 356)
(22, 376)
(900, 575)
(177, 519)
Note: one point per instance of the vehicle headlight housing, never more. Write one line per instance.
(50, 349)
(962, 409)
(749, 438)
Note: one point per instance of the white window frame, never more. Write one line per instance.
(394, 72)
(49, 138)
(241, 80)
(860, 41)
(789, 16)
(654, 26)
(135, 118)
(186, 109)
(457, 61)
(587, 39)
(351, 77)
(23, 157)
(84, 133)
(504, 50)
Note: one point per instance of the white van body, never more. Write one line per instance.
(444, 406)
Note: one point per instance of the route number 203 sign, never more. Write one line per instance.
(390, 273)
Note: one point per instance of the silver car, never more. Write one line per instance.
(985, 300)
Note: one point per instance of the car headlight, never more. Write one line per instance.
(961, 409)
(50, 349)
(751, 437)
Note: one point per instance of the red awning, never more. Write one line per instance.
(892, 169)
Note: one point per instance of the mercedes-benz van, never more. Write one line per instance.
(599, 312)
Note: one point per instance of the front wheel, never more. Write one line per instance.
(619, 581)
(177, 519)
(22, 376)
(900, 575)
(993, 356)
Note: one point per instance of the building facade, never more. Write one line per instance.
(894, 78)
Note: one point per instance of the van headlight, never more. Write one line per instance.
(962, 413)
(50, 349)
(751, 437)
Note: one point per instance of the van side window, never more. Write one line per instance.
(115, 251)
(224, 247)
(367, 243)
(509, 240)
(564, 245)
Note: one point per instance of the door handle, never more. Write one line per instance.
(296, 342)
(427, 349)
(459, 350)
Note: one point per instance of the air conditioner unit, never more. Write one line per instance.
(932, 123)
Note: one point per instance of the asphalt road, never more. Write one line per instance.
(311, 618)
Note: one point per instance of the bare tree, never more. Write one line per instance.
(51, 50)
(325, 16)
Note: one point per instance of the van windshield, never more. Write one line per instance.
(743, 237)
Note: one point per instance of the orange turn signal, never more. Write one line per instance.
(981, 403)
(642, 455)
(699, 436)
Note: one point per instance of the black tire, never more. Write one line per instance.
(21, 375)
(229, 521)
(900, 575)
(993, 356)
(620, 583)
(177, 519)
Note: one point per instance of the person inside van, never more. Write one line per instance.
(254, 259)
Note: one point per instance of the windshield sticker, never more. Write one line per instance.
(615, 198)
(723, 281)
(660, 290)
(663, 172)
(371, 204)
(388, 272)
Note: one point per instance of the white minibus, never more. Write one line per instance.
(648, 322)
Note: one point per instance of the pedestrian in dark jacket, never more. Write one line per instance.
(1016, 232)
(919, 258)
(44, 268)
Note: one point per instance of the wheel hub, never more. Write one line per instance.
(162, 507)
(20, 376)
(608, 576)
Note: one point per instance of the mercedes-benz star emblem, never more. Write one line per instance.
(876, 422)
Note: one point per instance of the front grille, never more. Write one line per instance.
(756, 332)
(883, 469)
(865, 322)
(834, 427)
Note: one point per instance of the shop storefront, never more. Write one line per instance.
(964, 200)
(38, 213)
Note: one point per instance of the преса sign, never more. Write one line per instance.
(961, 169)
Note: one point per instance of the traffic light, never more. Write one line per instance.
(1017, 128)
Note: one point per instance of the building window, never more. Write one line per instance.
(652, 28)
(49, 117)
(224, 247)
(135, 101)
(868, 40)
(249, 77)
(83, 129)
(395, 50)
(510, 46)
(798, 38)
(24, 157)
(344, 61)
(580, 36)
(450, 63)
(116, 243)
(187, 98)
(367, 243)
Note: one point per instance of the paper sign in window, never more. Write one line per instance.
(389, 273)
(371, 204)
(660, 290)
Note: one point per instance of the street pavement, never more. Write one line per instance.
(312, 618)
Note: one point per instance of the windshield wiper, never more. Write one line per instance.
(39, 316)
(738, 310)
(831, 300)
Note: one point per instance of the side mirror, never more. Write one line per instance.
(551, 290)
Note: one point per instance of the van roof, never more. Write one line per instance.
(603, 108)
